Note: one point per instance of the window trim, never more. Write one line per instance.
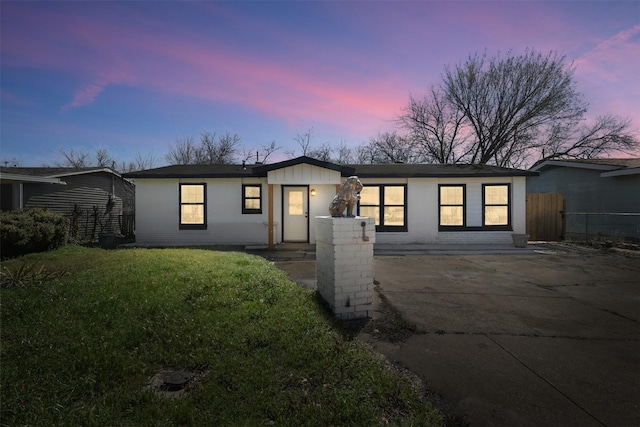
(389, 228)
(202, 226)
(508, 226)
(245, 210)
(464, 209)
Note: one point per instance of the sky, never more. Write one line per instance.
(135, 76)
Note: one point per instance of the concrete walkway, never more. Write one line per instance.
(542, 336)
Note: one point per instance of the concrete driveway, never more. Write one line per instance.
(546, 338)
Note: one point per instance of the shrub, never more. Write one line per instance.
(31, 230)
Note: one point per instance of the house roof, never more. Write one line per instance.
(608, 167)
(391, 170)
(408, 170)
(54, 172)
(197, 171)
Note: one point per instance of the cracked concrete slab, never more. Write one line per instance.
(544, 337)
(537, 339)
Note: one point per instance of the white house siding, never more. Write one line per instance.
(320, 179)
(303, 174)
(157, 208)
(422, 211)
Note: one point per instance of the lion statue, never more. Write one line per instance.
(347, 198)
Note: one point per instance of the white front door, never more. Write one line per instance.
(295, 214)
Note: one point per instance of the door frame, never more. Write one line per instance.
(283, 207)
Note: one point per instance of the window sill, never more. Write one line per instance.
(193, 227)
(496, 228)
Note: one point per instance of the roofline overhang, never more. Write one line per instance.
(72, 173)
(140, 175)
(621, 172)
(567, 164)
(18, 178)
(362, 171)
(446, 175)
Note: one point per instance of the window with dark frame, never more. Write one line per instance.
(452, 209)
(251, 199)
(193, 206)
(496, 209)
(387, 204)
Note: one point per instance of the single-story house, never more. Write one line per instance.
(601, 196)
(95, 199)
(269, 204)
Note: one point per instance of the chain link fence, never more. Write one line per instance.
(602, 226)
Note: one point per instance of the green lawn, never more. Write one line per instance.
(84, 330)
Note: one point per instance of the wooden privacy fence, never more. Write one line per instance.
(545, 216)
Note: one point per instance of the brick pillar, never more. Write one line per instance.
(344, 264)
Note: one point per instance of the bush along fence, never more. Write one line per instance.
(30, 230)
(597, 226)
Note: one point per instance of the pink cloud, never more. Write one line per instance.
(613, 58)
(108, 54)
(84, 96)
(611, 67)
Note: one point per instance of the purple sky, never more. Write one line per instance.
(135, 76)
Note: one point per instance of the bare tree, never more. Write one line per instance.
(510, 111)
(219, 150)
(605, 136)
(304, 142)
(11, 162)
(183, 152)
(262, 154)
(144, 161)
(124, 166)
(212, 150)
(505, 99)
(323, 152)
(72, 158)
(340, 154)
(434, 128)
(363, 154)
(104, 159)
(268, 150)
(390, 147)
(343, 155)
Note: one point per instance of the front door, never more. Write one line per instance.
(295, 214)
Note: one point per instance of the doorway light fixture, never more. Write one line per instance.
(313, 192)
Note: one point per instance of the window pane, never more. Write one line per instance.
(371, 211)
(394, 215)
(295, 203)
(192, 193)
(496, 215)
(252, 191)
(370, 195)
(393, 196)
(496, 194)
(451, 195)
(451, 215)
(252, 204)
(192, 214)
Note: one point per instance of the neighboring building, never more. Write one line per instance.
(276, 203)
(602, 196)
(96, 200)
